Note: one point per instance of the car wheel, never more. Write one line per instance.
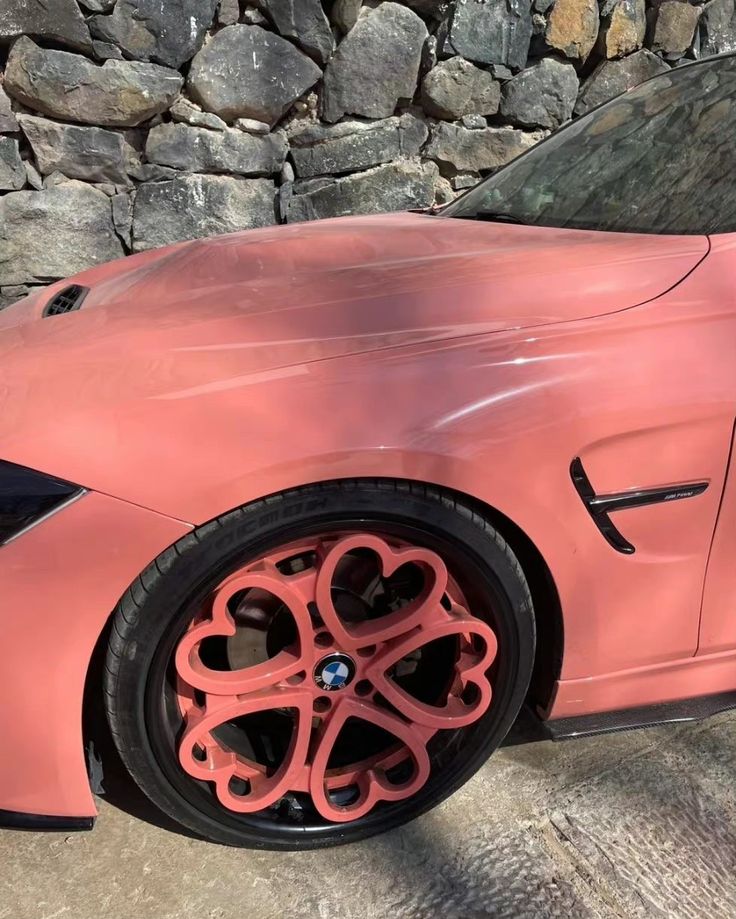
(319, 666)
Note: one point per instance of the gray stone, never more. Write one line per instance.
(247, 71)
(251, 126)
(106, 51)
(305, 22)
(12, 172)
(167, 33)
(55, 233)
(193, 149)
(572, 27)
(394, 187)
(92, 154)
(122, 217)
(464, 180)
(228, 12)
(443, 191)
(33, 177)
(718, 27)
(543, 96)
(500, 72)
(185, 111)
(674, 28)
(353, 145)
(344, 14)
(56, 178)
(152, 172)
(542, 6)
(253, 17)
(376, 65)
(623, 28)
(98, 6)
(432, 8)
(193, 206)
(69, 86)
(473, 121)
(492, 33)
(8, 121)
(611, 78)
(13, 293)
(477, 151)
(54, 20)
(456, 87)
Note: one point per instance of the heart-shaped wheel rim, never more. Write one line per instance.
(360, 636)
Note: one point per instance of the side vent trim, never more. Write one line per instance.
(600, 506)
(66, 301)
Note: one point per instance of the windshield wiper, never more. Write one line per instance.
(495, 216)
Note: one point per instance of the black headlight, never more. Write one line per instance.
(27, 496)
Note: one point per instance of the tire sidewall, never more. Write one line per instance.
(153, 603)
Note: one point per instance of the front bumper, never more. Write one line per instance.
(59, 583)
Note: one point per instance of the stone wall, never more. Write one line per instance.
(129, 124)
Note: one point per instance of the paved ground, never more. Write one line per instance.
(629, 825)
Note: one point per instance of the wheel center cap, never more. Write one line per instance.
(334, 672)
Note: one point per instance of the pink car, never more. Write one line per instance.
(336, 499)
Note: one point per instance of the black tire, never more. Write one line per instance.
(158, 605)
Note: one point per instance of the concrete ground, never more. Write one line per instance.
(628, 825)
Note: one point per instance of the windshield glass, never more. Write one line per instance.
(659, 159)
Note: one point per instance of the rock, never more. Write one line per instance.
(13, 293)
(674, 28)
(228, 12)
(92, 154)
(33, 177)
(12, 172)
(193, 206)
(105, 51)
(473, 121)
(8, 121)
(122, 217)
(151, 172)
(98, 6)
(345, 13)
(433, 8)
(253, 17)
(56, 178)
(304, 22)
(718, 27)
(54, 233)
(353, 145)
(623, 28)
(245, 71)
(611, 78)
(542, 6)
(477, 151)
(69, 86)
(443, 191)
(498, 32)
(185, 111)
(456, 87)
(394, 187)
(376, 66)
(251, 126)
(543, 96)
(200, 150)
(464, 180)
(167, 33)
(51, 20)
(572, 27)
(500, 72)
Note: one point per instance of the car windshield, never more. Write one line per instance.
(659, 159)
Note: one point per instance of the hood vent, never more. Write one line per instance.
(66, 301)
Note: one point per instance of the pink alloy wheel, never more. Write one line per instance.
(347, 655)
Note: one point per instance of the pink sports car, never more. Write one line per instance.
(335, 500)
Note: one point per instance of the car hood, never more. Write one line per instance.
(215, 316)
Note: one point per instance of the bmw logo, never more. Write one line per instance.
(334, 672)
